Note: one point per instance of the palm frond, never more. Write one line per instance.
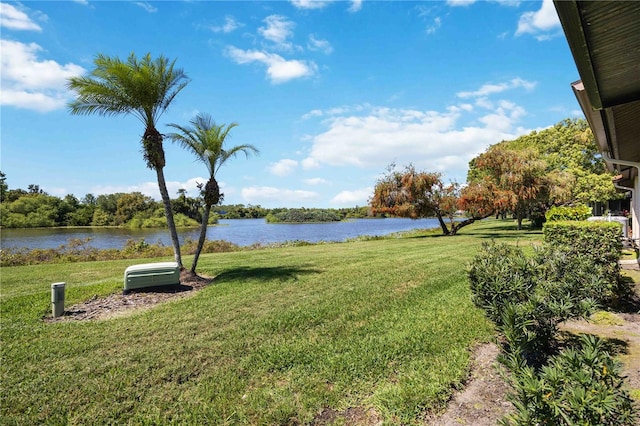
(143, 87)
(205, 139)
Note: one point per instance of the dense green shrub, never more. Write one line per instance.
(80, 250)
(580, 386)
(585, 235)
(527, 298)
(76, 250)
(158, 220)
(599, 241)
(499, 275)
(561, 213)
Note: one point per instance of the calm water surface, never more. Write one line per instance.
(242, 232)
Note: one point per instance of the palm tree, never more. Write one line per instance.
(206, 140)
(143, 88)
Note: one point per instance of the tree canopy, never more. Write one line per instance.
(418, 194)
(515, 181)
(555, 166)
(575, 170)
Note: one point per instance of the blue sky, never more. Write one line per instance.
(331, 92)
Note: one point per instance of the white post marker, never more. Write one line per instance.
(57, 299)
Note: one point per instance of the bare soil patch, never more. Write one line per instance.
(483, 401)
(625, 339)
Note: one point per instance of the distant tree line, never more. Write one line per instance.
(311, 215)
(34, 208)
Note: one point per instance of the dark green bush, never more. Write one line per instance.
(599, 241)
(581, 386)
(499, 275)
(598, 238)
(527, 298)
(563, 213)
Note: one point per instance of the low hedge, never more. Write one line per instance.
(584, 235)
(560, 213)
(600, 241)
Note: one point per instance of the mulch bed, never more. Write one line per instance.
(98, 308)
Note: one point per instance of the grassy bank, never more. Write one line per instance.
(279, 336)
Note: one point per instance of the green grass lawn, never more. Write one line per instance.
(279, 336)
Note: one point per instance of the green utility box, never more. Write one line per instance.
(151, 275)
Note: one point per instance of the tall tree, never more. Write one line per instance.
(3, 186)
(515, 180)
(576, 171)
(143, 88)
(206, 140)
(418, 194)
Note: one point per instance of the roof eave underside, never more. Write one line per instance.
(604, 38)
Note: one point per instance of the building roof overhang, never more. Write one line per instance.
(604, 38)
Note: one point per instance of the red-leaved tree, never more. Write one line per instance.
(419, 194)
(506, 180)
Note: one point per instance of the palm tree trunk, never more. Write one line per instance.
(203, 236)
(166, 201)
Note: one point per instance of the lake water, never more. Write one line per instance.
(243, 232)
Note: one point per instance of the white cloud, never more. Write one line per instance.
(436, 141)
(490, 89)
(426, 13)
(343, 109)
(455, 3)
(284, 197)
(312, 113)
(503, 117)
(356, 5)
(191, 185)
(278, 30)
(279, 70)
(315, 181)
(310, 4)
(15, 19)
(30, 83)
(434, 26)
(146, 6)
(230, 25)
(283, 167)
(351, 198)
(485, 103)
(34, 101)
(310, 163)
(319, 44)
(543, 24)
(150, 189)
